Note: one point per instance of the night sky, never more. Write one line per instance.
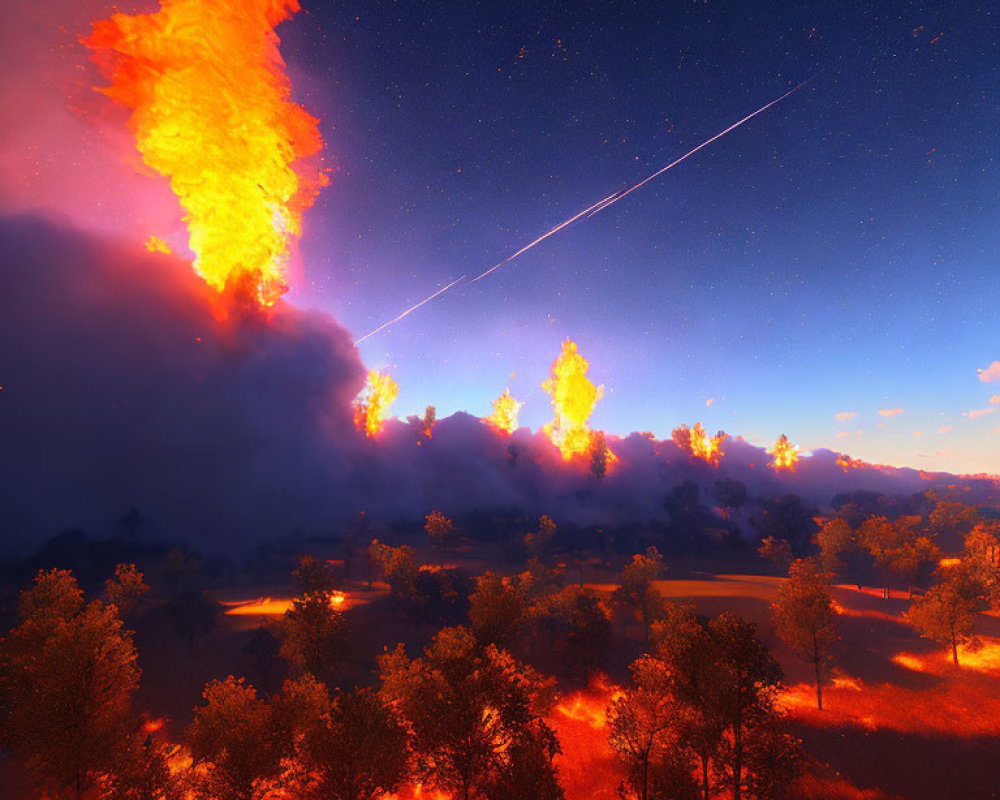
(835, 256)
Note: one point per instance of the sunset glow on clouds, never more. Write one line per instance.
(991, 374)
(890, 412)
(842, 415)
(976, 413)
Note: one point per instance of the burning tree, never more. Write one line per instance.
(505, 411)
(698, 444)
(67, 675)
(804, 618)
(372, 409)
(474, 713)
(784, 455)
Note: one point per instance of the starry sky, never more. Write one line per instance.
(835, 256)
(827, 270)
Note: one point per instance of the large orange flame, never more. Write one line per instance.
(785, 455)
(372, 409)
(211, 111)
(505, 411)
(573, 399)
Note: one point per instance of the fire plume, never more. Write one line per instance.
(505, 411)
(785, 456)
(846, 463)
(372, 409)
(699, 444)
(573, 399)
(210, 110)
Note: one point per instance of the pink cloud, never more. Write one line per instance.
(842, 415)
(976, 413)
(918, 433)
(890, 412)
(946, 428)
(991, 373)
(995, 400)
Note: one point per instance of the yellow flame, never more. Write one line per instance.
(784, 454)
(372, 410)
(573, 399)
(706, 447)
(505, 411)
(154, 244)
(210, 107)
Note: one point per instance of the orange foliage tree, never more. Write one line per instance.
(804, 618)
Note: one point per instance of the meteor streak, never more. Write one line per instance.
(597, 207)
(409, 311)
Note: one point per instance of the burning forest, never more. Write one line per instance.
(245, 558)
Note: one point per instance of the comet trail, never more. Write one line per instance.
(588, 212)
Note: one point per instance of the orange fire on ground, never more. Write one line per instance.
(270, 607)
(573, 399)
(210, 107)
(784, 454)
(505, 411)
(372, 409)
(587, 766)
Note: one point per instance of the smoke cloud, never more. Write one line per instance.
(120, 390)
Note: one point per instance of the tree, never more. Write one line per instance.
(126, 589)
(836, 541)
(725, 680)
(947, 612)
(636, 590)
(399, 569)
(786, 518)
(190, 610)
(67, 676)
(497, 610)
(645, 732)
(142, 772)
(952, 520)
(743, 700)
(777, 551)
(314, 636)
(439, 528)
(314, 576)
(881, 538)
(588, 637)
(804, 618)
(730, 494)
(599, 454)
(535, 544)
(356, 749)
(233, 740)
(471, 710)
(913, 558)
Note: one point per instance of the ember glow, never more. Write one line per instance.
(505, 411)
(573, 399)
(372, 409)
(784, 454)
(699, 444)
(238, 158)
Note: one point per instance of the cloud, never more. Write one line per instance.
(991, 374)
(941, 454)
(976, 413)
(946, 428)
(709, 401)
(995, 400)
(843, 434)
(840, 416)
(890, 412)
(918, 433)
